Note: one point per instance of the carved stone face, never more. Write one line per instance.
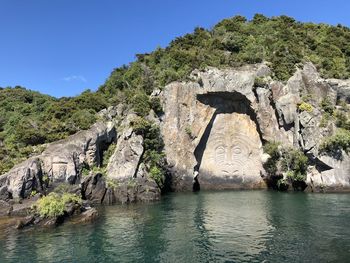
(230, 156)
(233, 147)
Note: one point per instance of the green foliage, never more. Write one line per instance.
(82, 119)
(85, 171)
(141, 104)
(271, 148)
(107, 154)
(53, 205)
(157, 175)
(342, 119)
(294, 161)
(29, 119)
(282, 184)
(325, 119)
(282, 41)
(327, 105)
(153, 155)
(112, 184)
(188, 131)
(156, 105)
(334, 144)
(304, 106)
(140, 125)
(260, 82)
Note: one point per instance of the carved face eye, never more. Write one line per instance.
(236, 150)
(220, 150)
(220, 153)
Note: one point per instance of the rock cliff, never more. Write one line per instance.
(214, 128)
(215, 125)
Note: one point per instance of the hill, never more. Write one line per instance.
(29, 119)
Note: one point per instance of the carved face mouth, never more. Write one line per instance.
(230, 172)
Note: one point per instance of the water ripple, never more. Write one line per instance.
(239, 226)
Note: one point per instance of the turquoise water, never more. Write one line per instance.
(238, 226)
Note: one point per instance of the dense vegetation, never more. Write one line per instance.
(29, 119)
(285, 161)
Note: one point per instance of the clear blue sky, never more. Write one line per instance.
(61, 47)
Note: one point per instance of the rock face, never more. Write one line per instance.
(22, 179)
(334, 178)
(214, 126)
(61, 161)
(125, 160)
(96, 190)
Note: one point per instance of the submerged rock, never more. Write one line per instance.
(88, 216)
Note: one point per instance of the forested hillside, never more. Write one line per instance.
(29, 119)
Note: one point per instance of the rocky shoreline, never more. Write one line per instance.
(228, 128)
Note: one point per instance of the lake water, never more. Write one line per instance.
(232, 226)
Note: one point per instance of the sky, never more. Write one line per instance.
(63, 47)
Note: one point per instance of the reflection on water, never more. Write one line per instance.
(238, 226)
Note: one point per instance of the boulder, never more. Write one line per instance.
(25, 222)
(89, 215)
(22, 209)
(93, 188)
(137, 190)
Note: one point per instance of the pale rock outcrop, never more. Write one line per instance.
(61, 161)
(335, 178)
(22, 179)
(125, 160)
(342, 87)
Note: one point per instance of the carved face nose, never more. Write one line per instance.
(232, 155)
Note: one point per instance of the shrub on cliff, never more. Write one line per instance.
(271, 148)
(289, 161)
(153, 155)
(295, 161)
(333, 145)
(304, 106)
(53, 205)
(140, 104)
(157, 175)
